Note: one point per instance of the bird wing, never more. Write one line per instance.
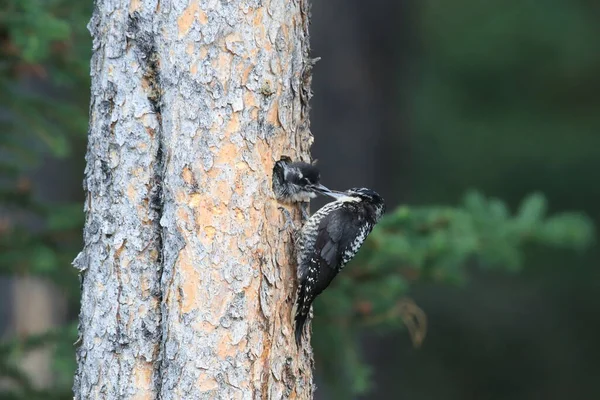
(335, 235)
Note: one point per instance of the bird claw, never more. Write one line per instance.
(295, 235)
(304, 211)
(290, 227)
(289, 221)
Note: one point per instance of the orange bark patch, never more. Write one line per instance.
(233, 37)
(202, 17)
(120, 250)
(131, 192)
(203, 52)
(142, 376)
(265, 152)
(273, 114)
(195, 200)
(182, 215)
(187, 17)
(206, 382)
(258, 18)
(209, 235)
(134, 5)
(253, 216)
(203, 216)
(225, 348)
(226, 154)
(252, 291)
(180, 196)
(249, 99)
(234, 124)
(142, 311)
(261, 33)
(223, 66)
(188, 176)
(246, 74)
(239, 215)
(189, 49)
(224, 191)
(145, 286)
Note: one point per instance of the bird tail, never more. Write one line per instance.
(300, 322)
(301, 310)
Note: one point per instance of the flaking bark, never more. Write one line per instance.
(187, 272)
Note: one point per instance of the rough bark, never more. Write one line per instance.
(187, 272)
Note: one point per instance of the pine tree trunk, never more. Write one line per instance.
(187, 272)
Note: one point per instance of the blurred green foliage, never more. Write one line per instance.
(435, 243)
(486, 67)
(508, 90)
(507, 101)
(44, 81)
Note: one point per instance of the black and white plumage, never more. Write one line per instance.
(296, 181)
(329, 240)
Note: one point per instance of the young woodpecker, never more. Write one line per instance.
(329, 240)
(296, 181)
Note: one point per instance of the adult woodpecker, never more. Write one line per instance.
(329, 240)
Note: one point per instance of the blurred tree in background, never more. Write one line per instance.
(498, 80)
(44, 81)
(505, 98)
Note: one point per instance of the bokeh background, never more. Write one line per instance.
(423, 101)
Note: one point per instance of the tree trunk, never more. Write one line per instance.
(187, 272)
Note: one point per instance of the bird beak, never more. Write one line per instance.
(336, 194)
(327, 192)
(318, 188)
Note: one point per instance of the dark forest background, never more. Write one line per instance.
(477, 121)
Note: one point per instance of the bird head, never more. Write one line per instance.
(369, 197)
(303, 177)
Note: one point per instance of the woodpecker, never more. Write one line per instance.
(296, 181)
(329, 240)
